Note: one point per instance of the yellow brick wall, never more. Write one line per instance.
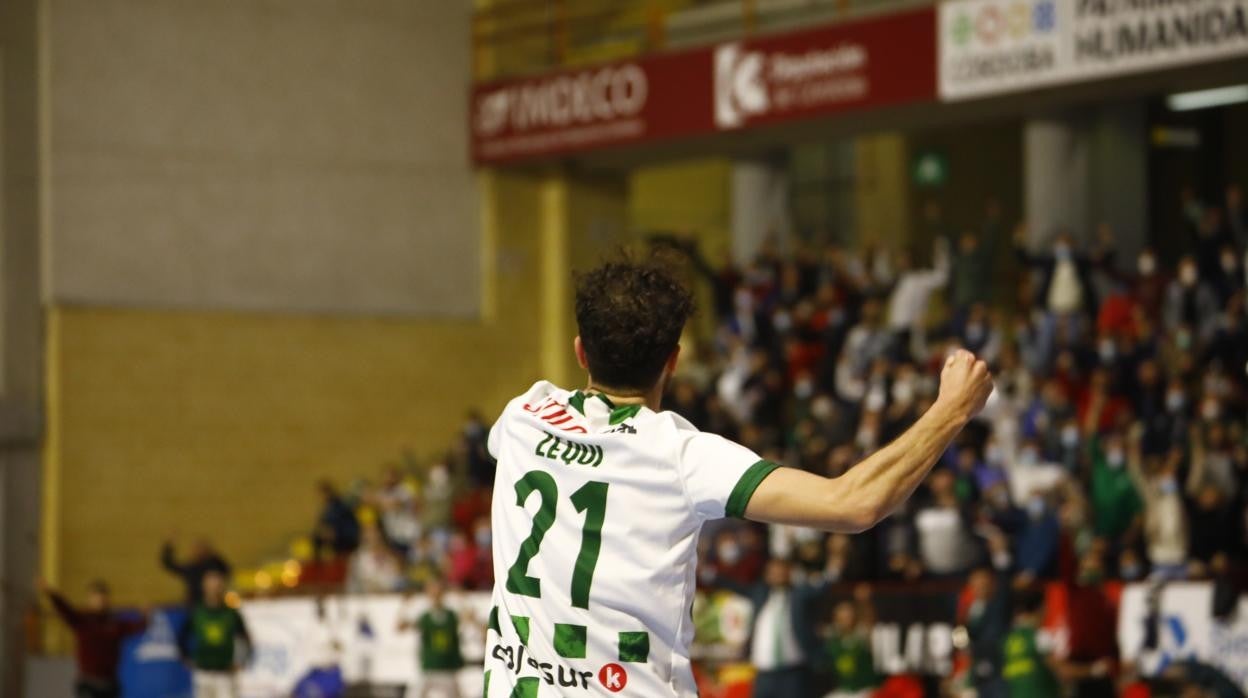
(220, 423)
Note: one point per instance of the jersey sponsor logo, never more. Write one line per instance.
(556, 415)
(613, 677)
(516, 658)
(569, 452)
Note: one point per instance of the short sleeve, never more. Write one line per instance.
(720, 476)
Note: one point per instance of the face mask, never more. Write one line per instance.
(1168, 486)
(438, 477)
(1175, 401)
(729, 553)
(903, 392)
(804, 389)
(1035, 507)
(1107, 350)
(1130, 572)
(1147, 265)
(974, 332)
(1115, 458)
(993, 454)
(1000, 560)
(875, 400)
(782, 321)
(1070, 436)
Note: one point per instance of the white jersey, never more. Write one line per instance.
(596, 515)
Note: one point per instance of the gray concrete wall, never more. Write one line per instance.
(289, 155)
(21, 327)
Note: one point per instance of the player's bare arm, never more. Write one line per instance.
(875, 487)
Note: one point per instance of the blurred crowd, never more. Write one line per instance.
(1112, 450)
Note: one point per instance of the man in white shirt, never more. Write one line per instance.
(600, 498)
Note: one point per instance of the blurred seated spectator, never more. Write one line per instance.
(437, 500)
(373, 568)
(204, 559)
(944, 540)
(337, 530)
(396, 503)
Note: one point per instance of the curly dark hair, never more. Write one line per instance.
(630, 315)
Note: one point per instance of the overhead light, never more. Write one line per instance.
(1205, 99)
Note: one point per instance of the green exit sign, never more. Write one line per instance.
(929, 168)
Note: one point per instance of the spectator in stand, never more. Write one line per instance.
(987, 620)
(204, 559)
(373, 568)
(437, 503)
(1148, 289)
(440, 657)
(1029, 668)
(215, 642)
(98, 634)
(1213, 486)
(396, 505)
(1091, 651)
(1065, 286)
(480, 464)
(1116, 504)
(908, 301)
(782, 634)
(337, 530)
(1190, 303)
(943, 531)
(847, 650)
(1165, 520)
(1038, 538)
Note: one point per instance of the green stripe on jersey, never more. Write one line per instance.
(577, 401)
(624, 412)
(570, 640)
(634, 646)
(521, 624)
(525, 688)
(494, 620)
(745, 487)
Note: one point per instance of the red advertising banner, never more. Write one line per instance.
(868, 63)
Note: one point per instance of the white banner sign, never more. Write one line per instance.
(1186, 629)
(995, 46)
(359, 634)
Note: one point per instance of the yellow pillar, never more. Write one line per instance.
(555, 274)
(881, 189)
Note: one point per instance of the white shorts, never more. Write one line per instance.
(214, 684)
